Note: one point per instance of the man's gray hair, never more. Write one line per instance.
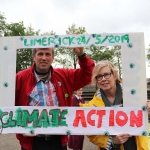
(34, 51)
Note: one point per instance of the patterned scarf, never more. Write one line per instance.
(42, 76)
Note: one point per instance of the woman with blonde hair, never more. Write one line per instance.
(105, 75)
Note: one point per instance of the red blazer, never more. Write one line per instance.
(65, 81)
(76, 101)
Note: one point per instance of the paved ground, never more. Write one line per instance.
(9, 142)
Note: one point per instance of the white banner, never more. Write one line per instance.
(133, 69)
(79, 40)
(74, 120)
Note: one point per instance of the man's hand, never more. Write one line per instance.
(78, 50)
(30, 135)
(148, 107)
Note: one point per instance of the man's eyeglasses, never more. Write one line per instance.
(105, 75)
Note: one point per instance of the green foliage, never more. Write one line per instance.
(24, 56)
(29, 31)
(15, 29)
(24, 59)
(49, 33)
(2, 24)
(112, 54)
(65, 57)
(117, 58)
(148, 54)
(74, 30)
(100, 53)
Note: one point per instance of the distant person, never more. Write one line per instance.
(43, 85)
(75, 142)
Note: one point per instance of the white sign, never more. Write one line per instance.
(74, 120)
(132, 52)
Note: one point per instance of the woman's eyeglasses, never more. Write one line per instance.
(105, 75)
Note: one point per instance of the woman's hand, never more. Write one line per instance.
(121, 138)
